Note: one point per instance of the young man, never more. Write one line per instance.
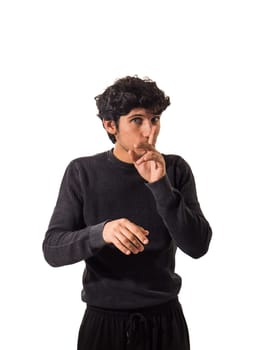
(125, 212)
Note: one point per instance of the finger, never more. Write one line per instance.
(144, 146)
(145, 232)
(138, 231)
(134, 240)
(133, 227)
(149, 156)
(152, 138)
(120, 246)
(128, 244)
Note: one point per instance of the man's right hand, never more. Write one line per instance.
(125, 236)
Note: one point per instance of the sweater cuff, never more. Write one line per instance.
(95, 236)
(162, 190)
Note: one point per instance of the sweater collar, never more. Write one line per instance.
(118, 162)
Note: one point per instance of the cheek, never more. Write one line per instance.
(157, 130)
(126, 136)
(156, 133)
(130, 132)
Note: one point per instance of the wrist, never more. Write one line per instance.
(157, 178)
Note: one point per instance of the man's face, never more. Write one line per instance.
(137, 127)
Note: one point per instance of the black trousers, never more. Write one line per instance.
(162, 327)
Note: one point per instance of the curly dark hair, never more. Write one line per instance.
(129, 93)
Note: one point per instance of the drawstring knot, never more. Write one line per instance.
(136, 322)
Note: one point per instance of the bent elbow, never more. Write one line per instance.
(198, 253)
(50, 258)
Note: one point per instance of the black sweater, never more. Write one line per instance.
(101, 188)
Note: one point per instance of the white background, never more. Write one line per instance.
(207, 56)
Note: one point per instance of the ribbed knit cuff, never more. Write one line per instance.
(95, 236)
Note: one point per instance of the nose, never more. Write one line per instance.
(147, 128)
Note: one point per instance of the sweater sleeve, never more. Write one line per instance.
(68, 240)
(181, 212)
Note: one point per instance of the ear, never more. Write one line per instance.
(110, 126)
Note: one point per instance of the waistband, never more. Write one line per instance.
(138, 321)
(146, 311)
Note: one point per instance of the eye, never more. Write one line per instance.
(155, 120)
(137, 121)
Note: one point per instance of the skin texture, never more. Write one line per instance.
(136, 137)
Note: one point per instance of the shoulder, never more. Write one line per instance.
(178, 169)
(79, 169)
(175, 160)
(88, 161)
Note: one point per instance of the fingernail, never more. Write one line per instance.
(145, 241)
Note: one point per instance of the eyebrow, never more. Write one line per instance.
(136, 115)
(142, 115)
